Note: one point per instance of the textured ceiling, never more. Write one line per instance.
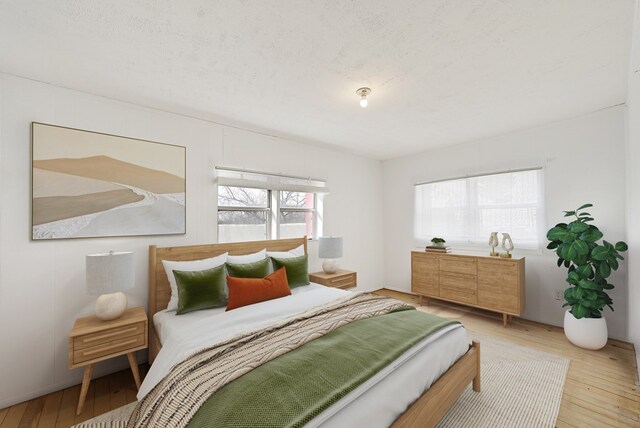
(441, 71)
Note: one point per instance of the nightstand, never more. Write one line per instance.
(341, 279)
(92, 340)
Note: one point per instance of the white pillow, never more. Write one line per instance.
(189, 266)
(296, 252)
(248, 258)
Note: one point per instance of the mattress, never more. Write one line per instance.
(389, 392)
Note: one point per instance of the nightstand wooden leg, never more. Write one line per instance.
(134, 368)
(86, 380)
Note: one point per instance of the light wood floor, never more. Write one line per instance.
(58, 409)
(600, 389)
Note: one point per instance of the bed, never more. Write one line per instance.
(446, 362)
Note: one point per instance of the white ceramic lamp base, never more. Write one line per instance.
(110, 306)
(330, 265)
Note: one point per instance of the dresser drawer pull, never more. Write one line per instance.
(101, 349)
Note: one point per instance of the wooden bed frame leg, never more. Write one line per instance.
(476, 380)
(431, 406)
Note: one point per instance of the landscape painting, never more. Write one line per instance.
(87, 184)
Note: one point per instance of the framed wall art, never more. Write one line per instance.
(88, 185)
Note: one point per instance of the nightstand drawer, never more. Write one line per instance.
(107, 336)
(343, 281)
(119, 344)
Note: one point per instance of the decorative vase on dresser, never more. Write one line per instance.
(494, 284)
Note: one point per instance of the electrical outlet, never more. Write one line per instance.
(559, 294)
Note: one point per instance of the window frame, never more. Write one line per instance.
(272, 210)
(473, 209)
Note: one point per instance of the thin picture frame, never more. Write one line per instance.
(87, 184)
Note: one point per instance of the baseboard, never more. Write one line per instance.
(398, 290)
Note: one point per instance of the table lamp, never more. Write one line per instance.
(108, 275)
(330, 250)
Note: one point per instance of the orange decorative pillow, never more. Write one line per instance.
(247, 291)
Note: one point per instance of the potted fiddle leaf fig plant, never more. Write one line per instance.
(589, 265)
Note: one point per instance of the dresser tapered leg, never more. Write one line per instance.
(134, 368)
(86, 380)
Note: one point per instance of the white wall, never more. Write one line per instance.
(633, 173)
(42, 287)
(584, 162)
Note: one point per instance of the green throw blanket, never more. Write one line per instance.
(292, 389)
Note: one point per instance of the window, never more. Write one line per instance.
(243, 214)
(296, 214)
(465, 211)
(256, 206)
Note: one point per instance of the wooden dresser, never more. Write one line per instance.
(485, 282)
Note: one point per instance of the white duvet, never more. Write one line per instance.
(182, 335)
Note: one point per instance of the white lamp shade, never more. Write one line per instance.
(109, 272)
(330, 248)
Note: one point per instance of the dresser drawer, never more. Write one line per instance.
(502, 271)
(467, 265)
(108, 348)
(106, 336)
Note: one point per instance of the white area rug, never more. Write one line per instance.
(521, 387)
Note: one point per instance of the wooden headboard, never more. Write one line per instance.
(159, 289)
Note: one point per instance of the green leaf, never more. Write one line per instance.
(558, 234)
(581, 259)
(578, 227)
(584, 215)
(585, 271)
(614, 264)
(607, 244)
(621, 246)
(599, 253)
(573, 278)
(591, 235)
(580, 311)
(560, 261)
(584, 206)
(569, 295)
(582, 247)
(604, 270)
(569, 213)
(588, 284)
(552, 245)
(567, 263)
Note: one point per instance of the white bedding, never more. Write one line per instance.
(389, 392)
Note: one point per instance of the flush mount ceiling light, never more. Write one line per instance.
(363, 92)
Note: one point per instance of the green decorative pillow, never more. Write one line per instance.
(258, 269)
(296, 267)
(200, 290)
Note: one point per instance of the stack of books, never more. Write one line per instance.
(437, 249)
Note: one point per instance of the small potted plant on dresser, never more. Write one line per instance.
(438, 242)
(589, 265)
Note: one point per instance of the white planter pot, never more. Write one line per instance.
(588, 333)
